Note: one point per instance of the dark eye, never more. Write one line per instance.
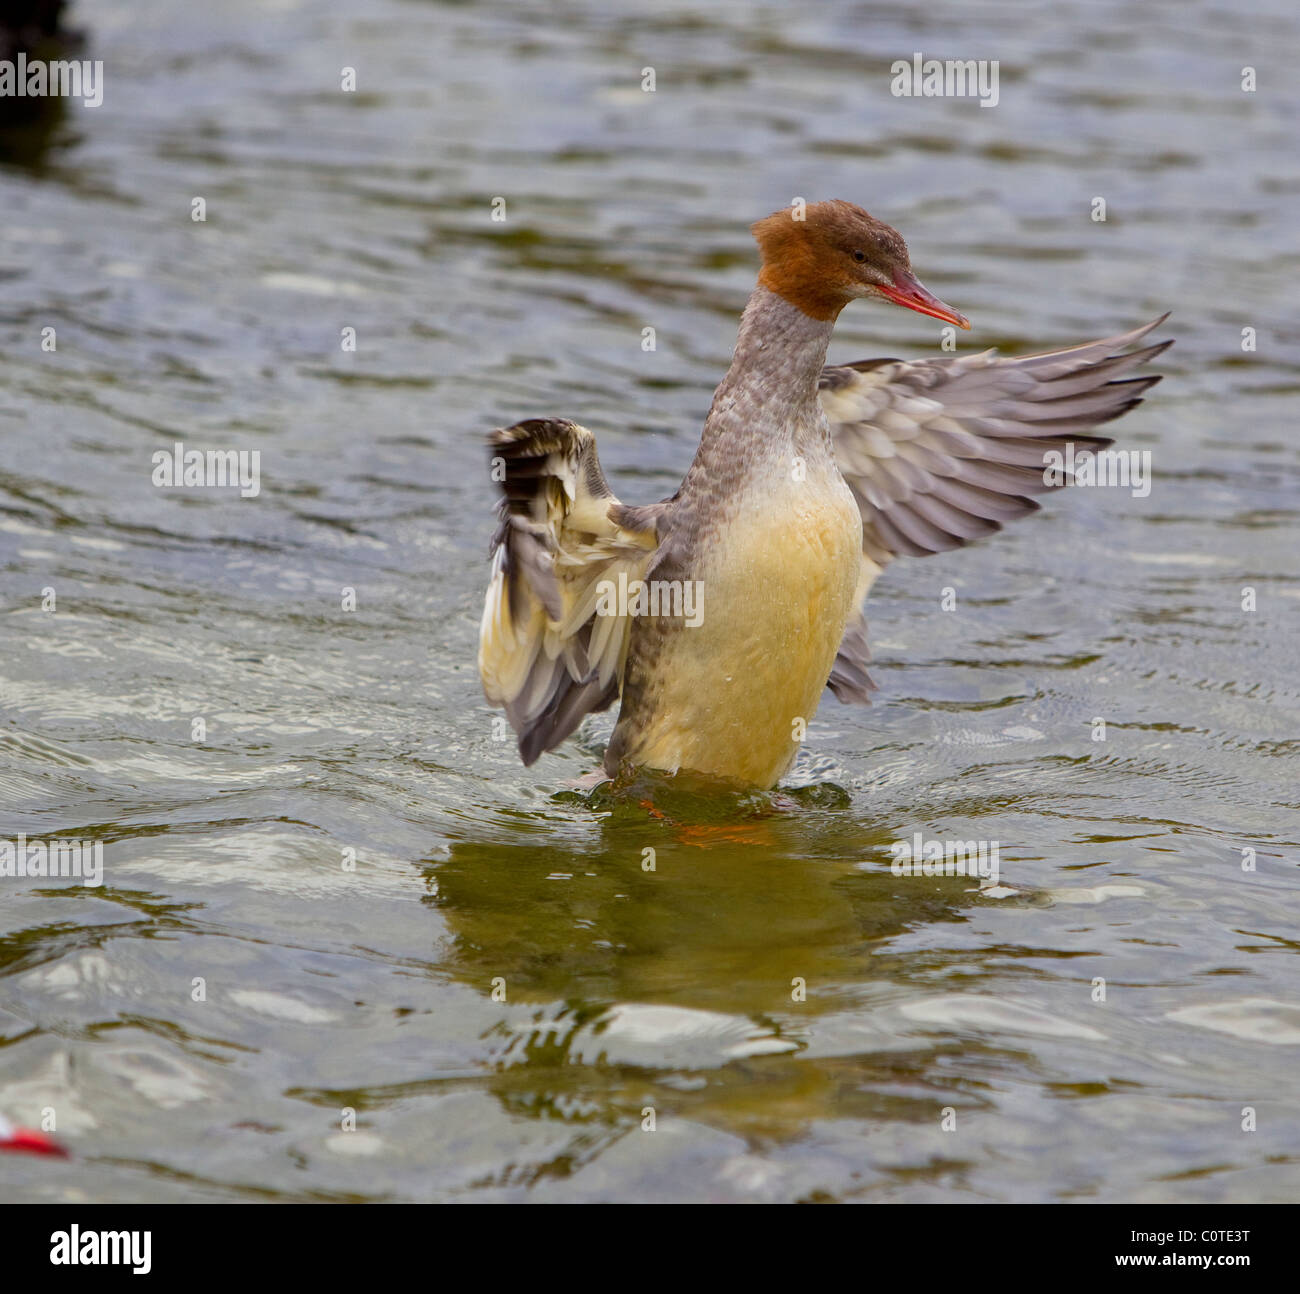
(859, 256)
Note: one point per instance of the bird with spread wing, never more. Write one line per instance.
(718, 616)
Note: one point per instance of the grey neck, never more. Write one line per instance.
(769, 395)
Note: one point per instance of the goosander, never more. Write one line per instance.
(808, 481)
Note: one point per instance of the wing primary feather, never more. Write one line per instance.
(545, 655)
(940, 452)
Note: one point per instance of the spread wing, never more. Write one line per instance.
(548, 652)
(942, 451)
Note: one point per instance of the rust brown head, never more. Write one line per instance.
(838, 252)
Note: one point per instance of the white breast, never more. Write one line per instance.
(777, 584)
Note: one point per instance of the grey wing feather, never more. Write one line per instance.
(546, 654)
(939, 452)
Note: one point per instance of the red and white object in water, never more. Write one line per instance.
(13, 1137)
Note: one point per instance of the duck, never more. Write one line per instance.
(718, 617)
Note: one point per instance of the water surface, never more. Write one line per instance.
(626, 991)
